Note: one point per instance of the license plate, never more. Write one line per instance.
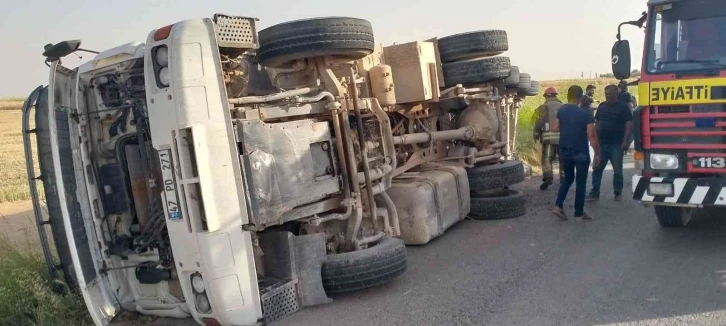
(706, 162)
(167, 173)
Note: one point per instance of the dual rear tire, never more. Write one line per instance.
(472, 58)
(491, 198)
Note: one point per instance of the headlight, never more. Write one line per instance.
(198, 283)
(663, 162)
(202, 303)
(164, 76)
(162, 56)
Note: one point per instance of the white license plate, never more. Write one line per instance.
(167, 173)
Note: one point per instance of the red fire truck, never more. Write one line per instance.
(680, 125)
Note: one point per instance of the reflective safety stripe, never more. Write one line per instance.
(690, 191)
(551, 136)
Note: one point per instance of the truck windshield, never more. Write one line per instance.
(687, 36)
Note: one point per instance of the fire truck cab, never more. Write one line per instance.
(680, 124)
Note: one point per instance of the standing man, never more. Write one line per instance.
(614, 122)
(589, 99)
(630, 101)
(546, 116)
(576, 127)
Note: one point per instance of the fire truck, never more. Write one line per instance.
(680, 125)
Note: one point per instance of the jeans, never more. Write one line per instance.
(614, 154)
(576, 166)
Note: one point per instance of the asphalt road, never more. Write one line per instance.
(622, 269)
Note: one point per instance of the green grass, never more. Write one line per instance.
(528, 150)
(26, 292)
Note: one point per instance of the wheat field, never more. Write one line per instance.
(13, 176)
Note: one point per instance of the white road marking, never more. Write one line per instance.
(703, 318)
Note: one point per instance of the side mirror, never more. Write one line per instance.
(621, 60)
(61, 49)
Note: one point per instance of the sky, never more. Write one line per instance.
(553, 39)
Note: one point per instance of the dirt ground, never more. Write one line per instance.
(17, 222)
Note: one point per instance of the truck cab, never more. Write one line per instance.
(232, 176)
(680, 125)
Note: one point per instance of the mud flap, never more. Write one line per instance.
(292, 273)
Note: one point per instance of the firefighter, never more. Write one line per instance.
(545, 115)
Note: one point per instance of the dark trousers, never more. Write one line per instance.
(549, 152)
(614, 154)
(576, 165)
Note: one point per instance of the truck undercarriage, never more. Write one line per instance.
(199, 175)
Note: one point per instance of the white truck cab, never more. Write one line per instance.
(235, 177)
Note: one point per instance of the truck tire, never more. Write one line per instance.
(496, 176)
(472, 45)
(476, 71)
(48, 176)
(673, 217)
(525, 83)
(343, 37)
(533, 89)
(365, 268)
(513, 78)
(511, 204)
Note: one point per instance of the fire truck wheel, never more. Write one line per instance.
(533, 89)
(673, 217)
(365, 268)
(476, 71)
(510, 204)
(525, 82)
(513, 78)
(342, 37)
(473, 45)
(495, 176)
(47, 172)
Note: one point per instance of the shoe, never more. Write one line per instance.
(618, 197)
(559, 212)
(584, 218)
(593, 196)
(545, 185)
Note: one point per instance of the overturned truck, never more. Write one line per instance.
(235, 177)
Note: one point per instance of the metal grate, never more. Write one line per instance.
(236, 32)
(280, 302)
